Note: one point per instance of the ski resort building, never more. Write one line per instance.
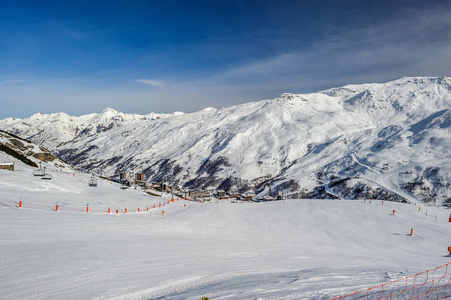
(194, 194)
(165, 187)
(7, 166)
(139, 178)
(124, 175)
(248, 197)
(221, 194)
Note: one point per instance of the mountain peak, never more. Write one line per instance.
(109, 112)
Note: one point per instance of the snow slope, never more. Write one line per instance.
(387, 141)
(28, 150)
(294, 249)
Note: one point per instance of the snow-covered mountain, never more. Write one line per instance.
(387, 141)
(26, 152)
(53, 130)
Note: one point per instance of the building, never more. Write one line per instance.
(221, 194)
(124, 176)
(165, 187)
(197, 193)
(139, 178)
(247, 197)
(234, 195)
(7, 166)
(268, 198)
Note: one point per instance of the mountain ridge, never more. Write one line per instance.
(346, 142)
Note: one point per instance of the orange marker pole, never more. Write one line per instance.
(147, 208)
(20, 204)
(185, 204)
(109, 210)
(87, 208)
(163, 212)
(411, 231)
(117, 212)
(56, 208)
(138, 209)
(154, 206)
(125, 210)
(393, 212)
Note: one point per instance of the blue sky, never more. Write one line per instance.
(164, 56)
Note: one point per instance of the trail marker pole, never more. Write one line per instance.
(109, 210)
(125, 210)
(138, 209)
(117, 212)
(163, 213)
(393, 212)
(87, 207)
(147, 208)
(56, 208)
(20, 205)
(411, 231)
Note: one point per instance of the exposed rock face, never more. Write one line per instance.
(45, 157)
(28, 152)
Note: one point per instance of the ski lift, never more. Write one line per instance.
(92, 181)
(39, 172)
(46, 176)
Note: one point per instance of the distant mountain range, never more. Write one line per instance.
(387, 141)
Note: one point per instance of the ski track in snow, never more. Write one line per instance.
(294, 249)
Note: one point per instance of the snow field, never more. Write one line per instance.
(296, 249)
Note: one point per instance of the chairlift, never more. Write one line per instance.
(39, 172)
(92, 181)
(46, 176)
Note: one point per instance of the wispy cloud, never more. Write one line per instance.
(151, 82)
(414, 43)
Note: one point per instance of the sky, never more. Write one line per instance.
(136, 56)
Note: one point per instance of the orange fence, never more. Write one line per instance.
(431, 284)
(66, 207)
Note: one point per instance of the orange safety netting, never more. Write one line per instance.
(431, 284)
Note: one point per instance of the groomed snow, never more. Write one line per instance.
(294, 249)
